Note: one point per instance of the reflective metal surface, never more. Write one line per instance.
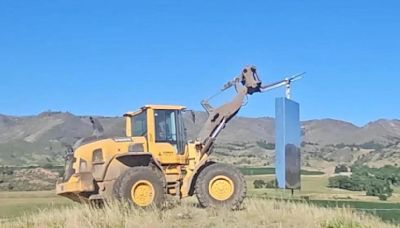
(287, 141)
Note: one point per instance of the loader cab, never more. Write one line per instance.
(163, 128)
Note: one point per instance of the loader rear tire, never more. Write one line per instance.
(220, 185)
(116, 187)
(142, 186)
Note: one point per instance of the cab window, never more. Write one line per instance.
(165, 126)
(139, 123)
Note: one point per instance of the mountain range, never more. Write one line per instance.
(41, 139)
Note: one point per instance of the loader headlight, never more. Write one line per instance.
(82, 165)
(97, 163)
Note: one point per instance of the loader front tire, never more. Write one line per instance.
(220, 185)
(141, 186)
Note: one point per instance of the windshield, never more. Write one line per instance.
(170, 128)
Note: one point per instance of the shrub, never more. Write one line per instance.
(372, 146)
(10, 187)
(341, 168)
(9, 172)
(383, 197)
(342, 182)
(340, 146)
(270, 184)
(259, 184)
(267, 146)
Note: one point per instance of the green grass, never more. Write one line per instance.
(13, 204)
(312, 187)
(388, 212)
(271, 170)
(383, 210)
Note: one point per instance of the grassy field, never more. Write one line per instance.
(314, 194)
(257, 213)
(13, 204)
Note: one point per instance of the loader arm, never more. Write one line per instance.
(247, 83)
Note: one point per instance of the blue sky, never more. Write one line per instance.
(108, 57)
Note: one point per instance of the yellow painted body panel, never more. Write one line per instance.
(128, 126)
(110, 148)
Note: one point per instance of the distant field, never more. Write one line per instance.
(313, 187)
(387, 211)
(270, 170)
(315, 191)
(13, 204)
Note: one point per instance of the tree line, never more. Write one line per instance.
(374, 181)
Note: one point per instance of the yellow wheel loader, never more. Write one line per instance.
(155, 158)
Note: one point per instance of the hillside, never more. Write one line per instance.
(41, 139)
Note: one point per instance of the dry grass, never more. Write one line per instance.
(257, 213)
